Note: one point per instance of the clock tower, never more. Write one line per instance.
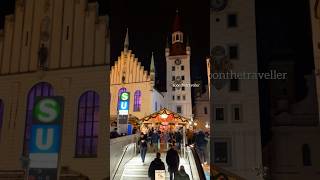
(178, 96)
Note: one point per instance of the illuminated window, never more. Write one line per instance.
(87, 125)
(137, 101)
(40, 89)
(121, 91)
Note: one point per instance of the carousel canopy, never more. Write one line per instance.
(165, 115)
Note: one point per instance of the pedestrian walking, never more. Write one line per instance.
(181, 174)
(201, 143)
(156, 164)
(178, 140)
(173, 161)
(167, 139)
(189, 136)
(143, 146)
(154, 141)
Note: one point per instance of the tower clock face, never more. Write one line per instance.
(218, 5)
(177, 61)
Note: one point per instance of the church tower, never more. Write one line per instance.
(177, 54)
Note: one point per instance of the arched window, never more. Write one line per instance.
(306, 155)
(87, 125)
(177, 37)
(1, 116)
(137, 101)
(121, 91)
(40, 89)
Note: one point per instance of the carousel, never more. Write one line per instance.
(164, 120)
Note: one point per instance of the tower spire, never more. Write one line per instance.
(126, 41)
(152, 64)
(177, 22)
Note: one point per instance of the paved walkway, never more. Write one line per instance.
(135, 170)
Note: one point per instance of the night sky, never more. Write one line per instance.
(282, 26)
(150, 23)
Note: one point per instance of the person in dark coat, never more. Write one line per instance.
(143, 146)
(172, 160)
(178, 139)
(154, 141)
(201, 143)
(181, 174)
(156, 164)
(114, 133)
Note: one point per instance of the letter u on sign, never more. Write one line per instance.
(45, 139)
(124, 105)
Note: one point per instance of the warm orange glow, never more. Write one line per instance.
(164, 116)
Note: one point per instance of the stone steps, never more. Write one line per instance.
(135, 170)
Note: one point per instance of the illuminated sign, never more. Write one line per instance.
(123, 106)
(45, 137)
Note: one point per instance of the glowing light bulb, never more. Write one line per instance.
(164, 116)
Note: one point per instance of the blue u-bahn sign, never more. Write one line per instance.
(123, 105)
(44, 146)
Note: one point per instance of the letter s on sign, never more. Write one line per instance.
(47, 110)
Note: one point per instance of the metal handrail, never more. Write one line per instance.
(118, 165)
(198, 163)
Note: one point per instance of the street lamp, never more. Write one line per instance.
(207, 126)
